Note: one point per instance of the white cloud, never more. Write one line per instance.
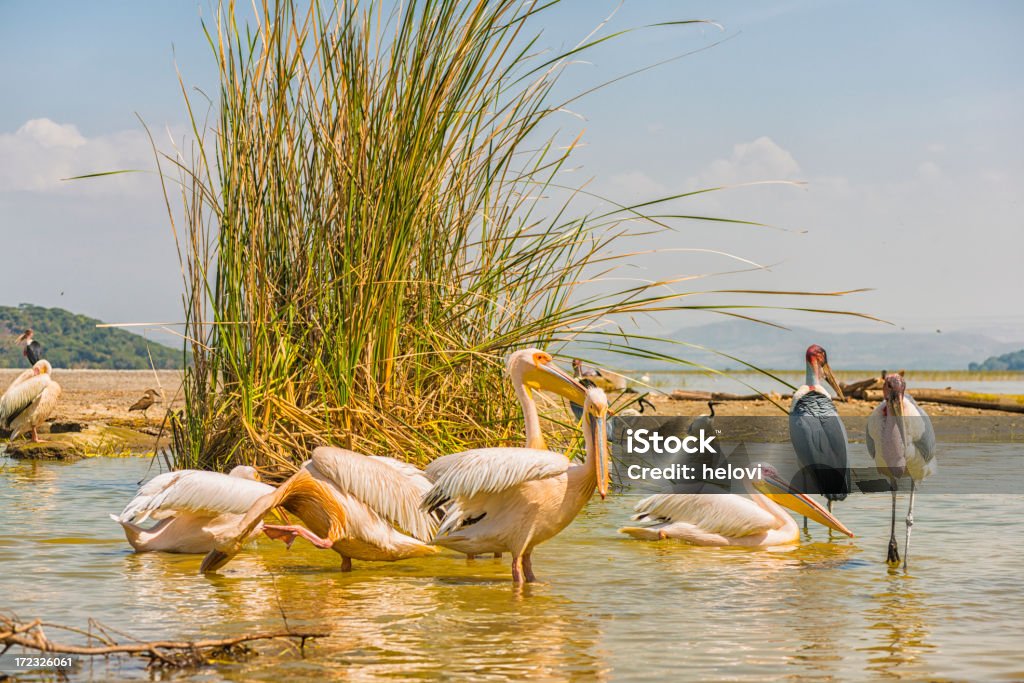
(761, 159)
(41, 152)
(929, 171)
(636, 184)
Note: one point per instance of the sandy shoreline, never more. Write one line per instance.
(98, 401)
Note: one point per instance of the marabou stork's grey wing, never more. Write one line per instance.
(925, 442)
(819, 439)
(34, 352)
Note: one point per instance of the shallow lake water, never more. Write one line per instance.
(608, 607)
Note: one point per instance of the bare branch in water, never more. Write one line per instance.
(161, 653)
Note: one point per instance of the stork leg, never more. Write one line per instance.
(910, 525)
(893, 555)
(346, 563)
(517, 573)
(829, 505)
(528, 568)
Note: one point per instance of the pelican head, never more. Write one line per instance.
(245, 472)
(42, 367)
(535, 369)
(780, 491)
(595, 433)
(818, 367)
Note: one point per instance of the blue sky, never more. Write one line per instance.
(904, 119)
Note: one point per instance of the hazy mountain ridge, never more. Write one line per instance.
(773, 348)
(73, 341)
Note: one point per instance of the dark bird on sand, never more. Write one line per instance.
(33, 349)
(146, 402)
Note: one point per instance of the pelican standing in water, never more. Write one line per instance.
(513, 499)
(901, 440)
(29, 401)
(194, 509)
(364, 507)
(817, 433)
(726, 519)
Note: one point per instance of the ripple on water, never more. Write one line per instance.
(611, 607)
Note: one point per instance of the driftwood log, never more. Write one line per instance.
(870, 389)
(160, 653)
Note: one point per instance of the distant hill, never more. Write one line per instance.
(1007, 361)
(773, 348)
(74, 341)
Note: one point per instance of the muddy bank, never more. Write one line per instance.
(92, 416)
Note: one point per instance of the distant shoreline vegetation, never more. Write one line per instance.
(1008, 361)
(74, 341)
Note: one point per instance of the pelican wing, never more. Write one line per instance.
(488, 470)
(715, 513)
(390, 488)
(194, 491)
(19, 396)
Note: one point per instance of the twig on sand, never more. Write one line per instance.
(161, 653)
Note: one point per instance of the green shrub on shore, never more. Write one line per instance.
(374, 219)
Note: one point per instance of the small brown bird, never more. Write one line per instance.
(146, 402)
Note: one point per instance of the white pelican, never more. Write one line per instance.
(817, 433)
(901, 440)
(726, 519)
(29, 400)
(33, 349)
(364, 507)
(513, 499)
(529, 370)
(195, 509)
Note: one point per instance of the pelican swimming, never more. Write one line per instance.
(194, 509)
(29, 401)
(901, 439)
(726, 519)
(363, 507)
(513, 499)
(817, 433)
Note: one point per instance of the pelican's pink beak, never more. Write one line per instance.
(802, 504)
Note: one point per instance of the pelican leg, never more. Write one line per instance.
(528, 568)
(346, 563)
(517, 573)
(893, 555)
(910, 525)
(288, 534)
(35, 436)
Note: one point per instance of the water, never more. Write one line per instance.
(610, 608)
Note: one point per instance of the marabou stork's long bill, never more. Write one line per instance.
(817, 433)
(901, 440)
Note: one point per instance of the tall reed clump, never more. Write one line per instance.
(371, 223)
